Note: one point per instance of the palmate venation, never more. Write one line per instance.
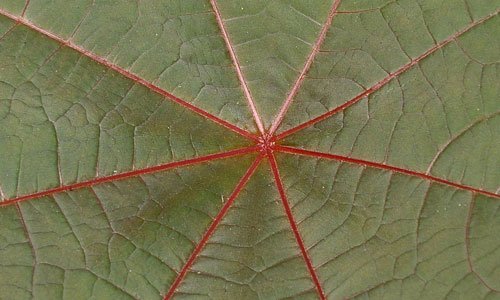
(251, 199)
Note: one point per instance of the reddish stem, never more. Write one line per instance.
(139, 172)
(362, 162)
(385, 80)
(237, 65)
(129, 75)
(293, 225)
(241, 184)
(307, 66)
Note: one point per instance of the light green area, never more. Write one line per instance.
(16, 258)
(253, 253)
(392, 236)
(484, 244)
(120, 240)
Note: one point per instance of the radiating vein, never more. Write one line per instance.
(296, 86)
(129, 75)
(385, 80)
(237, 65)
(162, 167)
(199, 247)
(293, 225)
(292, 150)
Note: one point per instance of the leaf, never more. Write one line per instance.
(249, 149)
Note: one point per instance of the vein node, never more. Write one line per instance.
(266, 143)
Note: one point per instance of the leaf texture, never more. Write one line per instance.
(339, 149)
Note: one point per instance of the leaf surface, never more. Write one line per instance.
(249, 149)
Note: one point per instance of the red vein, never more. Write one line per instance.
(241, 184)
(304, 152)
(133, 173)
(237, 65)
(293, 225)
(386, 80)
(25, 8)
(307, 66)
(129, 75)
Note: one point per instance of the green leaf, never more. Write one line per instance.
(249, 149)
